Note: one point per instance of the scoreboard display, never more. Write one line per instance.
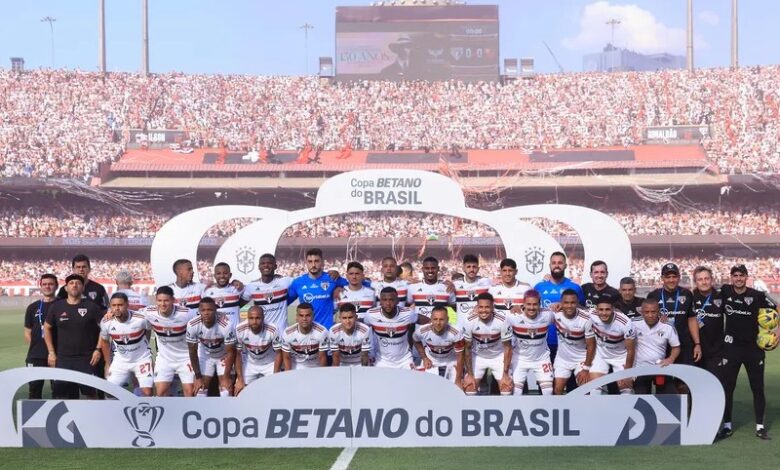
(457, 42)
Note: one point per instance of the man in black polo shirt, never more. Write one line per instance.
(34, 317)
(75, 322)
(627, 302)
(708, 307)
(598, 289)
(741, 305)
(94, 291)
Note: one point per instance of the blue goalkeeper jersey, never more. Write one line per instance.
(551, 293)
(318, 292)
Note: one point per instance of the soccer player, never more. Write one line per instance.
(186, 292)
(305, 344)
(407, 274)
(576, 342)
(488, 347)
(653, 339)
(627, 302)
(316, 288)
(391, 277)
(93, 291)
(259, 349)
(615, 343)
(598, 289)
(34, 317)
(124, 285)
(741, 305)
(350, 340)
(226, 296)
(551, 292)
(362, 297)
(440, 347)
(211, 342)
(168, 320)
(530, 353)
(708, 307)
(130, 334)
(71, 333)
(430, 292)
(508, 295)
(391, 326)
(269, 293)
(468, 288)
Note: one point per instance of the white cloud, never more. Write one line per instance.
(710, 18)
(639, 30)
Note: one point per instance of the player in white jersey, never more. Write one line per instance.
(186, 292)
(305, 344)
(130, 333)
(508, 294)
(350, 340)
(530, 353)
(259, 349)
(576, 342)
(431, 292)
(212, 346)
(653, 339)
(225, 294)
(488, 347)
(390, 278)
(169, 323)
(441, 347)
(362, 297)
(468, 288)
(269, 293)
(391, 326)
(124, 283)
(615, 343)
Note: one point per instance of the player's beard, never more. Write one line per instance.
(557, 274)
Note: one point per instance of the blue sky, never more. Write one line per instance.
(263, 36)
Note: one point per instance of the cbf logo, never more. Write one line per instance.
(534, 260)
(245, 260)
(144, 418)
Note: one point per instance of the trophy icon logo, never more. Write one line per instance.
(144, 418)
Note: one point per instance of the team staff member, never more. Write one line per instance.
(94, 291)
(653, 339)
(34, 317)
(598, 289)
(316, 288)
(741, 305)
(628, 302)
(75, 322)
(708, 307)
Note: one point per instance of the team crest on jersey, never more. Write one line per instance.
(82, 311)
(534, 260)
(324, 285)
(431, 299)
(748, 300)
(220, 301)
(717, 302)
(508, 302)
(269, 297)
(472, 294)
(92, 295)
(245, 260)
(682, 299)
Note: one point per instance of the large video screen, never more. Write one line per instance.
(417, 42)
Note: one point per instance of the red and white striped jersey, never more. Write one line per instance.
(227, 299)
(530, 335)
(363, 299)
(350, 345)
(399, 285)
(258, 348)
(272, 298)
(505, 298)
(441, 348)
(129, 337)
(304, 348)
(466, 296)
(487, 338)
(572, 333)
(212, 340)
(424, 297)
(391, 334)
(188, 296)
(170, 332)
(611, 337)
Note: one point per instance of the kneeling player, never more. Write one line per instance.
(350, 340)
(489, 339)
(212, 347)
(440, 347)
(130, 333)
(530, 352)
(305, 344)
(576, 343)
(615, 343)
(258, 346)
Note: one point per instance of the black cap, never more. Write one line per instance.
(670, 268)
(74, 277)
(740, 268)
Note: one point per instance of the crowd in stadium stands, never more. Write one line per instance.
(646, 270)
(80, 221)
(63, 123)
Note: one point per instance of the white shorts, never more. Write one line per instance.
(482, 364)
(542, 370)
(211, 366)
(253, 372)
(446, 371)
(120, 371)
(405, 363)
(350, 364)
(164, 371)
(310, 364)
(564, 369)
(601, 366)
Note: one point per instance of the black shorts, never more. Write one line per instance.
(68, 389)
(686, 356)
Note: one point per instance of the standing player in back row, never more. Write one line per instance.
(509, 293)
(431, 292)
(468, 288)
(355, 292)
(316, 288)
(269, 293)
(551, 292)
(226, 296)
(391, 277)
(186, 292)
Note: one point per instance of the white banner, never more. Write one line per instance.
(362, 407)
